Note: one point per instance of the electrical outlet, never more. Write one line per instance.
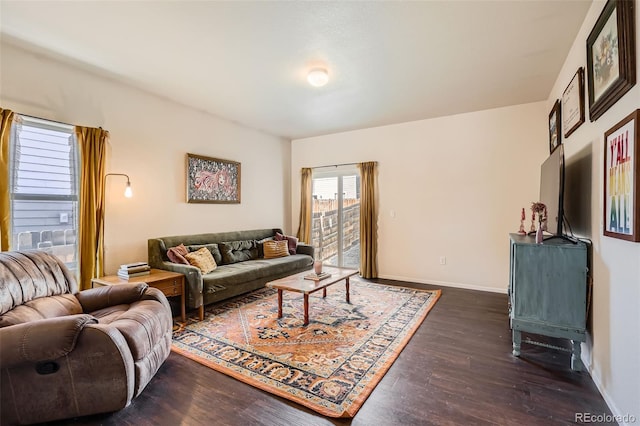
(443, 260)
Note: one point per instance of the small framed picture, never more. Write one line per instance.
(573, 103)
(212, 180)
(611, 61)
(554, 127)
(621, 181)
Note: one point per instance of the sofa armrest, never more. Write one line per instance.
(305, 249)
(41, 340)
(109, 295)
(193, 281)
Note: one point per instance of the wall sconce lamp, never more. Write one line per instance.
(128, 192)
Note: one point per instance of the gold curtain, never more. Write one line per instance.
(6, 119)
(304, 229)
(368, 219)
(92, 144)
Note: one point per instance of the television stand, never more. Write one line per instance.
(562, 237)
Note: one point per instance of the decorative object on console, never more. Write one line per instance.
(541, 210)
(521, 231)
(573, 103)
(555, 138)
(611, 61)
(621, 179)
(212, 180)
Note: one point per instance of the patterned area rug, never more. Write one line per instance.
(331, 365)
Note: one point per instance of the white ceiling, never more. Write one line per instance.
(389, 62)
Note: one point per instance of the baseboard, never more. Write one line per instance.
(623, 419)
(444, 283)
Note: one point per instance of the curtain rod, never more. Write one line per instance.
(336, 165)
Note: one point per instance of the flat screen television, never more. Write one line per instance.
(552, 190)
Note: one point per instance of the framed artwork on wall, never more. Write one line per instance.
(611, 61)
(554, 127)
(573, 103)
(212, 180)
(621, 182)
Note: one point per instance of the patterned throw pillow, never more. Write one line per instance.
(273, 249)
(292, 242)
(176, 254)
(202, 259)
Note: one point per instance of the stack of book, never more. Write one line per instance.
(131, 270)
(317, 277)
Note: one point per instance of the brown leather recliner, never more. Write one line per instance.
(65, 353)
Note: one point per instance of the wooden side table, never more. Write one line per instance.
(169, 283)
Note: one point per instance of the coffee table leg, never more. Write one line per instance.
(347, 286)
(306, 309)
(279, 303)
(324, 292)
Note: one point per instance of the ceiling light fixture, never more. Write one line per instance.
(318, 77)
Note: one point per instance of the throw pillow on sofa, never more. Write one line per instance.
(292, 242)
(273, 249)
(202, 259)
(176, 254)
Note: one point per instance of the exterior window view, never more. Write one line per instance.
(44, 189)
(335, 229)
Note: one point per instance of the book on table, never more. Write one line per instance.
(133, 265)
(126, 275)
(134, 270)
(317, 277)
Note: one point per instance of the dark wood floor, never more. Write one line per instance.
(456, 370)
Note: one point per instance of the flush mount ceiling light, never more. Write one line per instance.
(318, 77)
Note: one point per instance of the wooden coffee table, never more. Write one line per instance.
(299, 284)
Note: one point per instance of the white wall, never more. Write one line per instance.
(613, 350)
(457, 185)
(150, 137)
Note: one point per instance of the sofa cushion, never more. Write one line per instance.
(212, 247)
(261, 269)
(202, 259)
(238, 251)
(273, 249)
(176, 254)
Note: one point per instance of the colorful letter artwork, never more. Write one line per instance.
(619, 191)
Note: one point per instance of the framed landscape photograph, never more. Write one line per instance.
(621, 184)
(212, 180)
(554, 127)
(611, 61)
(573, 103)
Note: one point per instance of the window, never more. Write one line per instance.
(335, 227)
(44, 185)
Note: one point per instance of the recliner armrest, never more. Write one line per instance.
(109, 295)
(41, 340)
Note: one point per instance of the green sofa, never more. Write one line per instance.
(241, 265)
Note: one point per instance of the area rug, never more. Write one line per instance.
(332, 364)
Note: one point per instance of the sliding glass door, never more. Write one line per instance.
(335, 230)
